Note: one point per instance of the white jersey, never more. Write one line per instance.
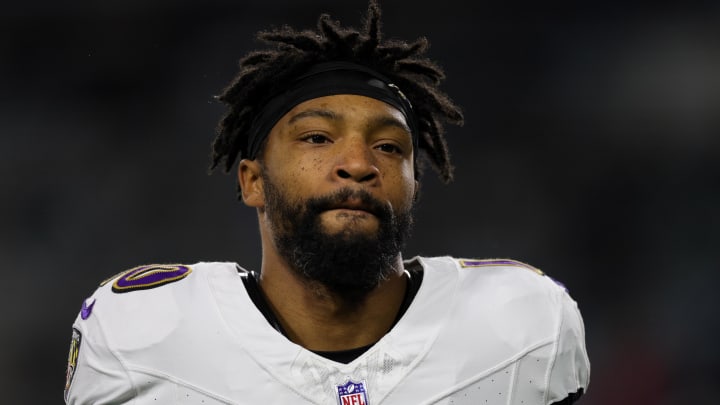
(485, 332)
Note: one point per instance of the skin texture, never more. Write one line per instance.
(321, 146)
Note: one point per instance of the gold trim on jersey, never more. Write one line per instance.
(469, 263)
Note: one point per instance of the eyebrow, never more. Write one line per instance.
(373, 123)
(315, 113)
(387, 121)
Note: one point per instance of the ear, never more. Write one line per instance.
(416, 192)
(251, 183)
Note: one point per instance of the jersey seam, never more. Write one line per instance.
(124, 366)
(428, 347)
(513, 383)
(499, 366)
(583, 350)
(179, 381)
(556, 350)
(249, 353)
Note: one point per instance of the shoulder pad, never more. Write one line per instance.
(146, 277)
(507, 262)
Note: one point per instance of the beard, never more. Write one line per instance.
(348, 263)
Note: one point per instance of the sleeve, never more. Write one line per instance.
(570, 371)
(95, 374)
(571, 399)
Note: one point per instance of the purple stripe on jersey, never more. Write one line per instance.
(491, 262)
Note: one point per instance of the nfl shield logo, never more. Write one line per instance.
(352, 393)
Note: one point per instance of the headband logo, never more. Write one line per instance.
(400, 93)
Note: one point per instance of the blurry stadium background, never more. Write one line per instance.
(591, 150)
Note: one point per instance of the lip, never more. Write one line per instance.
(352, 204)
(351, 211)
(352, 207)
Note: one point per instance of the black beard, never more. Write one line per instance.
(348, 264)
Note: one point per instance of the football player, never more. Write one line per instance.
(328, 129)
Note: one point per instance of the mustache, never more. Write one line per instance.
(350, 198)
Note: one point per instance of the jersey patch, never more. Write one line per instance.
(352, 393)
(498, 262)
(72, 360)
(151, 276)
(86, 308)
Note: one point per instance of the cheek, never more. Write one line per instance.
(402, 183)
(299, 173)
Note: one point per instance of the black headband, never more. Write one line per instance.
(326, 79)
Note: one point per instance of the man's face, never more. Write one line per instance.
(338, 186)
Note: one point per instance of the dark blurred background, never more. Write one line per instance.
(590, 150)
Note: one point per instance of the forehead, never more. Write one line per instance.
(345, 106)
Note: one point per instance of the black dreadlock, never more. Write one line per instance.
(267, 71)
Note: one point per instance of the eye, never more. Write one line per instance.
(390, 148)
(316, 138)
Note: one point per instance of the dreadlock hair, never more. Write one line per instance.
(264, 72)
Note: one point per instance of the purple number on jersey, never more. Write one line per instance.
(144, 277)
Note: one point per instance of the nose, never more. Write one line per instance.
(356, 162)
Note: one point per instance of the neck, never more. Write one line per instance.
(322, 320)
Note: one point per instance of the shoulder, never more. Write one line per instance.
(138, 319)
(519, 312)
(155, 281)
(510, 293)
(153, 298)
(510, 274)
(501, 275)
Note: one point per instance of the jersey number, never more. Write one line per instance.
(145, 277)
